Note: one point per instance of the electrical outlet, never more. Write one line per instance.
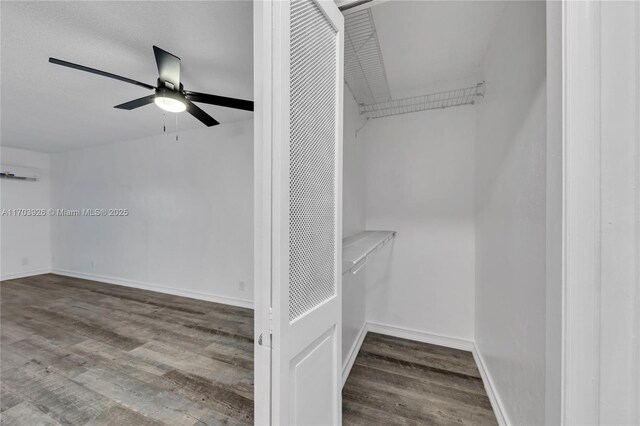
(241, 285)
(25, 261)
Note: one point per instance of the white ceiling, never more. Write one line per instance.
(433, 45)
(50, 108)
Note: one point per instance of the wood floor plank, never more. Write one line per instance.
(27, 414)
(413, 404)
(69, 356)
(401, 382)
(154, 377)
(98, 353)
(77, 352)
(225, 399)
(427, 391)
(8, 399)
(84, 328)
(166, 407)
(128, 322)
(45, 354)
(355, 414)
(61, 398)
(437, 376)
(44, 330)
(191, 362)
(453, 361)
(12, 332)
(402, 403)
(238, 356)
(118, 415)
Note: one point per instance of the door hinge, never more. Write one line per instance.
(260, 338)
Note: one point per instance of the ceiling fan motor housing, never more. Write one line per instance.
(164, 92)
(169, 86)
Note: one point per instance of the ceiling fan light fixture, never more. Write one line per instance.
(170, 100)
(170, 104)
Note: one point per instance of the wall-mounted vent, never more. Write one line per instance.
(19, 173)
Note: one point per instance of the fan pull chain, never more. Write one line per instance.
(176, 127)
(164, 125)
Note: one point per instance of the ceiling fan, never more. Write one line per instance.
(169, 94)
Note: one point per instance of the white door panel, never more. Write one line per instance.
(308, 379)
(304, 102)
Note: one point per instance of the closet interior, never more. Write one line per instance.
(444, 206)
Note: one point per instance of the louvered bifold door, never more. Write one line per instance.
(306, 183)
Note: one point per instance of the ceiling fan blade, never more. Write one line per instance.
(136, 103)
(220, 100)
(200, 114)
(102, 73)
(168, 67)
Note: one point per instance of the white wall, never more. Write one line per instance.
(420, 183)
(353, 221)
(511, 213)
(190, 226)
(619, 151)
(26, 241)
(553, 310)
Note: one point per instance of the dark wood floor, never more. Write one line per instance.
(77, 352)
(401, 382)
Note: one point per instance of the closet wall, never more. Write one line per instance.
(511, 213)
(419, 175)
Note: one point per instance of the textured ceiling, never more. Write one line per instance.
(429, 46)
(50, 108)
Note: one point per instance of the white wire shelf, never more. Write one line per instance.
(450, 98)
(364, 70)
(357, 248)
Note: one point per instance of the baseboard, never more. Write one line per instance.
(494, 397)
(24, 274)
(353, 353)
(243, 303)
(421, 336)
